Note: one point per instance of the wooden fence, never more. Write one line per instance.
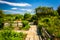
(45, 34)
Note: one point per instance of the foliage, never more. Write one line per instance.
(56, 13)
(11, 35)
(26, 25)
(1, 19)
(34, 17)
(52, 24)
(49, 19)
(13, 17)
(27, 16)
(58, 10)
(9, 17)
(19, 17)
(45, 11)
(1, 14)
(8, 28)
(45, 17)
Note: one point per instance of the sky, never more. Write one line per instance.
(23, 6)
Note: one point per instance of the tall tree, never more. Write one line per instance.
(1, 14)
(27, 16)
(18, 18)
(58, 10)
(1, 19)
(34, 17)
(44, 11)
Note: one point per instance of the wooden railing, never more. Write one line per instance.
(45, 34)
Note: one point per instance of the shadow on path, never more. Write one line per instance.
(39, 33)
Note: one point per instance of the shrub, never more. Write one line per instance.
(51, 24)
(11, 35)
(8, 28)
(26, 25)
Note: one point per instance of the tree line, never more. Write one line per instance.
(40, 11)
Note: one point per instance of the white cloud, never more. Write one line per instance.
(5, 10)
(32, 11)
(18, 12)
(15, 4)
(14, 8)
(28, 10)
(10, 11)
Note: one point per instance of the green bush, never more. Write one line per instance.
(8, 28)
(11, 35)
(1, 23)
(26, 25)
(51, 24)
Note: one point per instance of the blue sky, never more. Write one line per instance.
(22, 6)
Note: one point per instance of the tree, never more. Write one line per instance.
(56, 13)
(1, 14)
(42, 11)
(58, 10)
(27, 16)
(25, 23)
(10, 21)
(18, 17)
(1, 19)
(34, 17)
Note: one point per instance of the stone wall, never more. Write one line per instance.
(15, 23)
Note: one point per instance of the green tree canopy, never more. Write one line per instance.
(34, 17)
(19, 17)
(1, 14)
(58, 10)
(27, 16)
(1, 19)
(44, 11)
